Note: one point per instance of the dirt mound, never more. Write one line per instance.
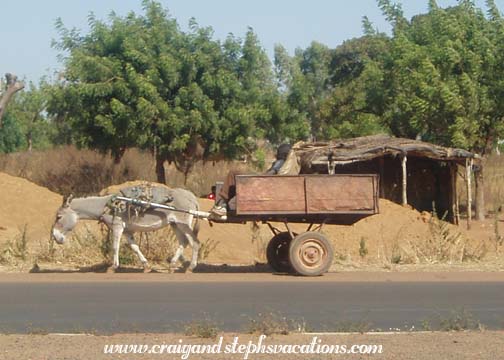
(25, 203)
(397, 235)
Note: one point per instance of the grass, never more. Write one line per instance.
(17, 248)
(271, 323)
(85, 172)
(204, 328)
(457, 320)
(360, 326)
(363, 250)
(207, 247)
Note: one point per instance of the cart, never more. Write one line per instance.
(311, 199)
(314, 200)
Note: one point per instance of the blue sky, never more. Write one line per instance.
(27, 26)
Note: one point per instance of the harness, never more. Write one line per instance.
(137, 200)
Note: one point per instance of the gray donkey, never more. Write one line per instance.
(126, 220)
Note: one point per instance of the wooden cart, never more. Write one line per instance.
(312, 199)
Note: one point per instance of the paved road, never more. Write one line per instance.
(165, 303)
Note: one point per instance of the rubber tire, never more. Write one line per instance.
(297, 263)
(277, 253)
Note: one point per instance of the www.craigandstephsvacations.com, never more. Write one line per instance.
(245, 349)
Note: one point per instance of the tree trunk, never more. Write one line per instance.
(479, 183)
(29, 140)
(160, 170)
(13, 86)
(118, 155)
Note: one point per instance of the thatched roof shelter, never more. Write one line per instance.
(370, 147)
(412, 172)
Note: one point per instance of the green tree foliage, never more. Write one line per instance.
(443, 77)
(355, 103)
(303, 80)
(28, 111)
(336, 92)
(139, 81)
(11, 136)
(27, 126)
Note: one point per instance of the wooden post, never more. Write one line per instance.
(453, 193)
(457, 201)
(404, 160)
(469, 163)
(381, 163)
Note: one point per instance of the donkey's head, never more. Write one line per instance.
(66, 219)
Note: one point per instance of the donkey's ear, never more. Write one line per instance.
(68, 200)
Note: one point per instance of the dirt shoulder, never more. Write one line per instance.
(418, 346)
(355, 276)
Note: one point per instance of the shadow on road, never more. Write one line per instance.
(201, 268)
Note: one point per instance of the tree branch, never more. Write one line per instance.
(13, 86)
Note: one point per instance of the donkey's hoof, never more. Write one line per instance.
(147, 269)
(192, 267)
(112, 269)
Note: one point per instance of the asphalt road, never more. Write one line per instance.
(167, 303)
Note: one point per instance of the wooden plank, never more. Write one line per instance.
(341, 194)
(270, 195)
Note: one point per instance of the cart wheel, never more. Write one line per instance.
(277, 252)
(311, 254)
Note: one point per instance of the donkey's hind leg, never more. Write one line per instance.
(136, 249)
(117, 231)
(182, 241)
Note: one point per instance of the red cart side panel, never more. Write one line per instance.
(341, 194)
(270, 195)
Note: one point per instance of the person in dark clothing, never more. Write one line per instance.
(228, 190)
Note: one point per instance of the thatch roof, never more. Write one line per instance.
(370, 147)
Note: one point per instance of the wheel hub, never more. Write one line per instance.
(312, 253)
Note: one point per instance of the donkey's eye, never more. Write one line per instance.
(58, 217)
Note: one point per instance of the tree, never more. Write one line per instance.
(27, 110)
(303, 81)
(12, 86)
(139, 81)
(444, 78)
(354, 105)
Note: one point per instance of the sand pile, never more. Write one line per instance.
(25, 203)
(399, 235)
(396, 235)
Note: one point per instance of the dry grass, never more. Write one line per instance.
(458, 319)
(68, 170)
(494, 182)
(16, 249)
(204, 328)
(271, 323)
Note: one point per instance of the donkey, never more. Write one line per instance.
(128, 222)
